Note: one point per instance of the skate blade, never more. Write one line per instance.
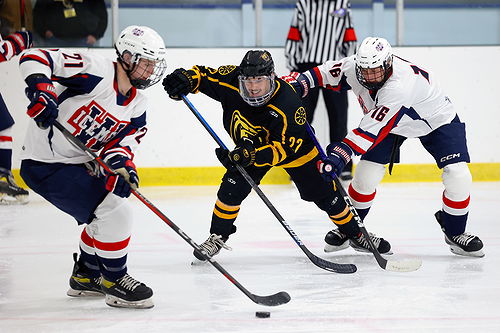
(83, 293)
(116, 302)
(460, 252)
(332, 248)
(363, 250)
(198, 262)
(17, 200)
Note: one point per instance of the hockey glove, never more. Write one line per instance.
(20, 40)
(125, 179)
(298, 82)
(223, 157)
(338, 155)
(244, 153)
(179, 82)
(42, 94)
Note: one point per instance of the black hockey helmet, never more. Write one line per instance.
(257, 65)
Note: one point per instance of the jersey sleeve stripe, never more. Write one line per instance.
(363, 134)
(36, 58)
(357, 149)
(317, 76)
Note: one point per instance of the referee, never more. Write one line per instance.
(322, 30)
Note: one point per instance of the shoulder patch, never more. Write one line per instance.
(300, 116)
(224, 70)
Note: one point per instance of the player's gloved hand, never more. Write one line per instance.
(43, 107)
(223, 156)
(338, 155)
(21, 40)
(298, 82)
(177, 83)
(125, 179)
(244, 153)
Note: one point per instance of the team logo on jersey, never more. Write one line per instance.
(300, 116)
(94, 125)
(241, 127)
(224, 70)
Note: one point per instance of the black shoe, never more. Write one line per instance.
(336, 241)
(360, 244)
(81, 284)
(127, 292)
(464, 244)
(10, 192)
(212, 246)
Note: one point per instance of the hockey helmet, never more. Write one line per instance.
(374, 59)
(142, 52)
(257, 77)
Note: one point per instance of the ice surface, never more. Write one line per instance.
(447, 294)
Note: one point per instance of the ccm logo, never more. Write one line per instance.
(449, 157)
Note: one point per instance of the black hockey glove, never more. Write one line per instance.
(223, 157)
(244, 153)
(177, 83)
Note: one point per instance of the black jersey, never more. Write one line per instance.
(279, 125)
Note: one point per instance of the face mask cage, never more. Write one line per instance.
(247, 95)
(371, 85)
(142, 80)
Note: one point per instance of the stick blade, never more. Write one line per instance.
(404, 265)
(334, 267)
(272, 300)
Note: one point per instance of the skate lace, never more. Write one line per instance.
(214, 244)
(362, 240)
(128, 282)
(463, 239)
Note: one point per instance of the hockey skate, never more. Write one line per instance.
(82, 284)
(127, 292)
(464, 244)
(336, 241)
(10, 192)
(212, 246)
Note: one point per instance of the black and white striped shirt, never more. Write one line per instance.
(321, 30)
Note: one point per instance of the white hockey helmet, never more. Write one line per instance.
(374, 52)
(141, 42)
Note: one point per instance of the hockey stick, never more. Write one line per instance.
(271, 300)
(406, 265)
(327, 265)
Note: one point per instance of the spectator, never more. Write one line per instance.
(15, 16)
(70, 23)
(322, 30)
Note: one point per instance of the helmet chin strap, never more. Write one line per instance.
(139, 84)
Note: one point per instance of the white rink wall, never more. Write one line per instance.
(469, 76)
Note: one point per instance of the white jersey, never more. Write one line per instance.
(410, 103)
(90, 107)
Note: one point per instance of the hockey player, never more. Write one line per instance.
(400, 100)
(10, 192)
(98, 100)
(266, 120)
